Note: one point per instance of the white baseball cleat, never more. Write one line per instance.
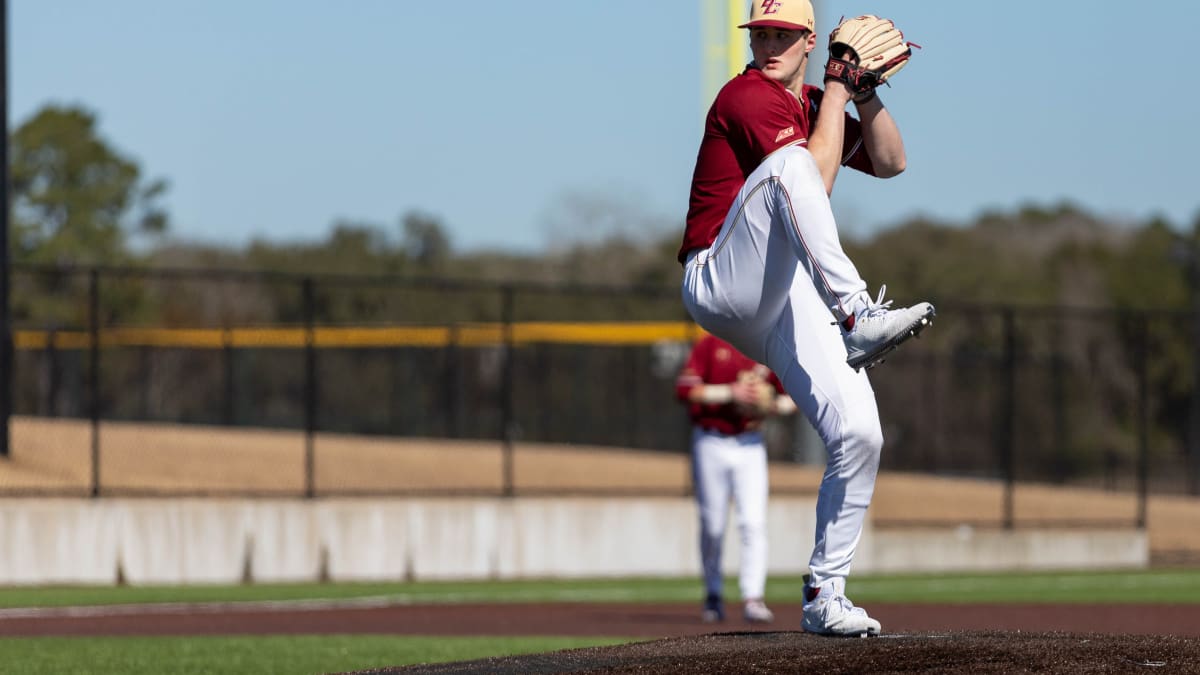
(878, 330)
(827, 611)
(756, 611)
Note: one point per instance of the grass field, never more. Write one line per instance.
(315, 654)
(1138, 586)
(259, 655)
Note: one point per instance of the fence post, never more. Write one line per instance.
(453, 380)
(52, 372)
(1008, 412)
(632, 397)
(146, 375)
(227, 356)
(1058, 391)
(1193, 455)
(1143, 416)
(507, 424)
(310, 387)
(930, 420)
(7, 359)
(94, 374)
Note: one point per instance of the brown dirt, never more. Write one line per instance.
(588, 619)
(793, 652)
(55, 455)
(918, 638)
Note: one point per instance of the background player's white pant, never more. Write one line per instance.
(772, 285)
(724, 467)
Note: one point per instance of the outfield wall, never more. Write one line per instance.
(180, 541)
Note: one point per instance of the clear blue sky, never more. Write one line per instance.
(275, 118)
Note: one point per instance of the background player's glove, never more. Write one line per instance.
(864, 52)
(762, 402)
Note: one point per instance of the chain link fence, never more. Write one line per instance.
(143, 381)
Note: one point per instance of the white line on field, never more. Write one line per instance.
(368, 602)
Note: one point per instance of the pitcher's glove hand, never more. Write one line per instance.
(864, 52)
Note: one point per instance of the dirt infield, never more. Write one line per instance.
(927, 638)
(377, 616)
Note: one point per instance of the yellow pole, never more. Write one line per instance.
(712, 57)
(815, 74)
(725, 47)
(736, 37)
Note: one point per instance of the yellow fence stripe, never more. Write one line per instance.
(381, 337)
(604, 333)
(467, 335)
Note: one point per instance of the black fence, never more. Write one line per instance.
(1061, 396)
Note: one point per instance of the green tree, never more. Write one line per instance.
(75, 198)
(426, 241)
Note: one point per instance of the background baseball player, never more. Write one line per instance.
(728, 396)
(764, 268)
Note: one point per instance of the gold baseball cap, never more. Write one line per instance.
(786, 14)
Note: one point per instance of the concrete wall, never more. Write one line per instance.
(178, 541)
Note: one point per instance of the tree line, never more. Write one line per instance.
(80, 201)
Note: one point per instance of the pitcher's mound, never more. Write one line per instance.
(797, 652)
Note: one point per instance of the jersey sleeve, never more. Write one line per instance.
(757, 123)
(854, 151)
(694, 371)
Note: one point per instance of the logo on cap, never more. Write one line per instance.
(784, 14)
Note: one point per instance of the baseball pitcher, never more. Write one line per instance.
(764, 268)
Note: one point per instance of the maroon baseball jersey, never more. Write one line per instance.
(751, 117)
(714, 361)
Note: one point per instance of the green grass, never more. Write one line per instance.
(259, 655)
(1152, 586)
(339, 653)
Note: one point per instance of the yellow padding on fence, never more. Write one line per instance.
(381, 337)
(602, 333)
(466, 335)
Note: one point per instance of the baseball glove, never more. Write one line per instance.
(764, 395)
(864, 52)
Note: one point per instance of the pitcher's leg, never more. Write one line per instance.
(806, 219)
(872, 327)
(737, 288)
(780, 227)
(847, 487)
(807, 354)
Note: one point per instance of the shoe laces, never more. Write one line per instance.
(872, 308)
(848, 606)
(878, 307)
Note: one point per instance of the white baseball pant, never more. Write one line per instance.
(772, 285)
(724, 467)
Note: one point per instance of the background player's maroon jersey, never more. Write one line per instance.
(714, 361)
